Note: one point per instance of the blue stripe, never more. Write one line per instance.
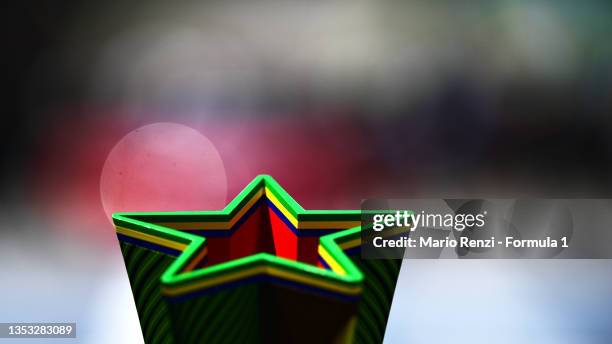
(324, 263)
(299, 232)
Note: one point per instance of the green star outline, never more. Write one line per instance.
(174, 277)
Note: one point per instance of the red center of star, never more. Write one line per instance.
(262, 229)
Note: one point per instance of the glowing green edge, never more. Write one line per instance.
(173, 277)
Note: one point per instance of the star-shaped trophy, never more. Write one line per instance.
(262, 270)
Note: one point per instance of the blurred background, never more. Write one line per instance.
(159, 105)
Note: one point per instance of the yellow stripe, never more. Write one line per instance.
(196, 260)
(174, 291)
(221, 226)
(280, 207)
(246, 207)
(309, 224)
(328, 224)
(150, 238)
(216, 225)
(351, 244)
(331, 261)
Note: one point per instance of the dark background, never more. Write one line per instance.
(520, 126)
